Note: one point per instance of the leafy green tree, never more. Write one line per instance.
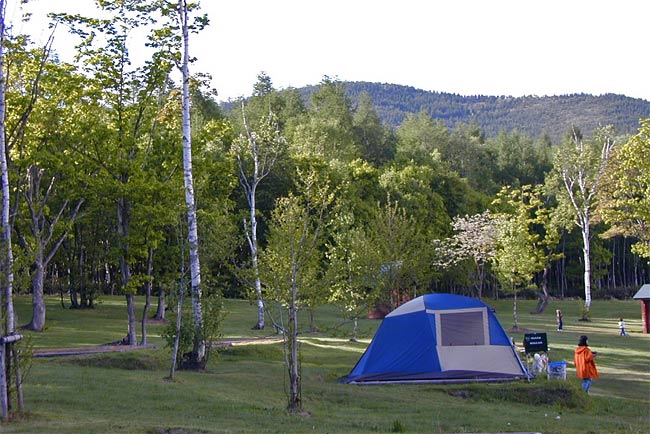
(351, 271)
(624, 199)
(518, 161)
(577, 172)
(517, 256)
(420, 138)
(46, 179)
(400, 262)
(548, 223)
(129, 100)
(292, 262)
(467, 154)
(411, 186)
(376, 144)
(513, 263)
(327, 131)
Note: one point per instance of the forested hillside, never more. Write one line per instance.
(532, 115)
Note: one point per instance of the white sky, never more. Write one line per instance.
(488, 47)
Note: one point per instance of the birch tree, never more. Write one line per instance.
(257, 151)
(172, 41)
(578, 168)
(7, 328)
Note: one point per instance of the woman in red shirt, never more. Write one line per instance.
(585, 365)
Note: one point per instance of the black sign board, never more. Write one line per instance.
(534, 342)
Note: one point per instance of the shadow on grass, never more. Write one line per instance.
(557, 393)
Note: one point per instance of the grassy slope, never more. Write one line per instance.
(243, 389)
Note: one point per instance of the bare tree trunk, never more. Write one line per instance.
(179, 314)
(125, 270)
(147, 300)
(295, 403)
(543, 292)
(160, 310)
(355, 329)
(19, 377)
(515, 314)
(38, 302)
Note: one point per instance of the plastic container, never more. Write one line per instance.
(556, 370)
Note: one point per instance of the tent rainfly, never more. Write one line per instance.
(643, 295)
(439, 338)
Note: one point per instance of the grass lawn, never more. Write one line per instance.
(243, 388)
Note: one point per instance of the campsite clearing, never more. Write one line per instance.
(243, 388)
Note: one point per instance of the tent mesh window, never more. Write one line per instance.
(462, 328)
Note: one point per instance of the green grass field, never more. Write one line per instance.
(243, 388)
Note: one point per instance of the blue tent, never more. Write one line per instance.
(439, 338)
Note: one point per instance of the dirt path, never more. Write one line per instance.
(78, 351)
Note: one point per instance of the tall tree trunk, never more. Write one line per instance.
(43, 229)
(160, 310)
(192, 233)
(147, 296)
(355, 329)
(38, 302)
(515, 314)
(252, 243)
(258, 282)
(179, 312)
(543, 292)
(179, 318)
(587, 259)
(295, 403)
(125, 270)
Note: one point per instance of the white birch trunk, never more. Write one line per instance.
(582, 189)
(264, 155)
(252, 243)
(192, 235)
(6, 253)
(587, 258)
(7, 277)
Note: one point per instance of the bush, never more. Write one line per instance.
(212, 318)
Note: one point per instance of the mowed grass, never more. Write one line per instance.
(243, 388)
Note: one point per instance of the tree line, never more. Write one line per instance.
(296, 203)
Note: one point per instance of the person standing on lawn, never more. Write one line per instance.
(621, 327)
(585, 364)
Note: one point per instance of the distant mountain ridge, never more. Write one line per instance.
(532, 115)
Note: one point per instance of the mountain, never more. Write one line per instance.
(533, 115)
